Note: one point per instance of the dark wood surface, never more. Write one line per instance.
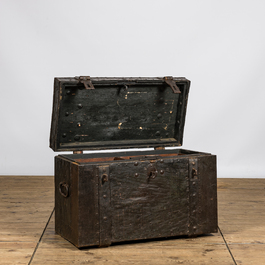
(88, 228)
(139, 197)
(66, 216)
(118, 113)
(105, 209)
(27, 233)
(144, 207)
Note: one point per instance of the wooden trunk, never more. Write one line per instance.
(103, 198)
(118, 197)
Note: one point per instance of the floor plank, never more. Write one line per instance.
(209, 249)
(241, 210)
(21, 231)
(27, 202)
(142, 254)
(248, 253)
(13, 253)
(25, 205)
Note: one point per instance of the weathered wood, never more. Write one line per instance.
(141, 195)
(146, 206)
(66, 199)
(132, 195)
(88, 217)
(16, 252)
(241, 205)
(26, 203)
(118, 113)
(241, 219)
(202, 250)
(105, 210)
(205, 194)
(250, 254)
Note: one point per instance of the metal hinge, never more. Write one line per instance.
(86, 81)
(169, 80)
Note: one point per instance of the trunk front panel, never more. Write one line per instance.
(149, 199)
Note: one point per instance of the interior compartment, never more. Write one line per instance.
(136, 155)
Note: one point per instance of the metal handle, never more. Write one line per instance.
(64, 189)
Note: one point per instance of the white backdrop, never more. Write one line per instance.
(218, 45)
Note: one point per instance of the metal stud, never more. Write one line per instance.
(64, 135)
(157, 133)
(136, 163)
(66, 113)
(77, 138)
(159, 115)
(162, 172)
(136, 175)
(79, 124)
(80, 106)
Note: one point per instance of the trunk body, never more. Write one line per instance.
(113, 197)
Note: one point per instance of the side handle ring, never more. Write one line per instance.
(64, 189)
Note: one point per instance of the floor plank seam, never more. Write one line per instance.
(227, 246)
(36, 248)
(247, 243)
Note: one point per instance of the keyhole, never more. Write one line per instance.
(104, 178)
(153, 174)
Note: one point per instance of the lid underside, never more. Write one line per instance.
(117, 113)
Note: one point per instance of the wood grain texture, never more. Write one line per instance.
(105, 210)
(66, 208)
(240, 203)
(242, 218)
(147, 207)
(207, 191)
(118, 113)
(25, 205)
(147, 196)
(88, 222)
(201, 250)
(14, 253)
(249, 254)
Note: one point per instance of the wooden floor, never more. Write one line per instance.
(27, 230)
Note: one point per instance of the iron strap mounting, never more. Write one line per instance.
(86, 81)
(170, 81)
(167, 79)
